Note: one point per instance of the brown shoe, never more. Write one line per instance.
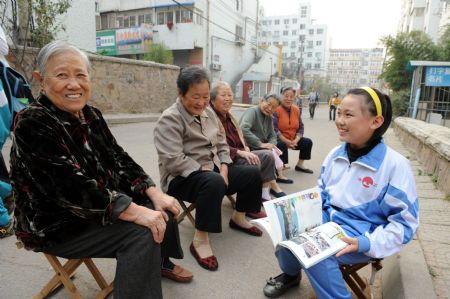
(178, 274)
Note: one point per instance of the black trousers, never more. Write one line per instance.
(207, 189)
(332, 112)
(304, 145)
(138, 271)
(312, 109)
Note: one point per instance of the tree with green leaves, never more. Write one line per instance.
(31, 23)
(415, 45)
(444, 45)
(159, 53)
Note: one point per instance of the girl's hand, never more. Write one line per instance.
(351, 247)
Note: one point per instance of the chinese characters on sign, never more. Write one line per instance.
(437, 76)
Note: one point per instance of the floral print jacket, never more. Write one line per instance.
(67, 172)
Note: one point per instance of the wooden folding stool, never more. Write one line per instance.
(63, 277)
(187, 210)
(360, 287)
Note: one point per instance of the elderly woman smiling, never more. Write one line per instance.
(195, 164)
(78, 193)
(221, 101)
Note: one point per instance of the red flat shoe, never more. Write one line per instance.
(256, 215)
(254, 231)
(209, 263)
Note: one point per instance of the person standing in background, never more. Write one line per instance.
(333, 103)
(313, 99)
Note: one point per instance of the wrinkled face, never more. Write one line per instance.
(224, 99)
(288, 98)
(66, 82)
(354, 122)
(196, 99)
(269, 106)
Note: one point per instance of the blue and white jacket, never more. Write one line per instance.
(373, 198)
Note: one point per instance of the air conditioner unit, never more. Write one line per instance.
(216, 66)
(239, 41)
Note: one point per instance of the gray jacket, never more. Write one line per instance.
(185, 144)
(257, 128)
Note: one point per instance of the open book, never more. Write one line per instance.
(295, 222)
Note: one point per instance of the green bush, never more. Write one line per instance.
(400, 102)
(159, 53)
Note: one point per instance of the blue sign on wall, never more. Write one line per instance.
(437, 76)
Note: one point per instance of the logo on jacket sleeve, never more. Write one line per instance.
(367, 182)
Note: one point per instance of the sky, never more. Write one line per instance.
(351, 23)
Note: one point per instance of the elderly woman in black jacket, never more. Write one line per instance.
(78, 193)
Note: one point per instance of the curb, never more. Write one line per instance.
(406, 276)
(115, 119)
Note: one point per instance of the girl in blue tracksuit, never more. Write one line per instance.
(367, 188)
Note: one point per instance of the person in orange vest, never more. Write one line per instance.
(333, 103)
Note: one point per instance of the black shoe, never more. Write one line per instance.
(306, 170)
(277, 286)
(277, 194)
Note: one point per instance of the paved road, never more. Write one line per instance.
(245, 261)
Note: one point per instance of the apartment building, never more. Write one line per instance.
(304, 44)
(428, 16)
(350, 68)
(220, 35)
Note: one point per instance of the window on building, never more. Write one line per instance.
(126, 22)
(294, 21)
(284, 55)
(285, 32)
(169, 16)
(237, 5)
(294, 32)
(119, 22)
(302, 26)
(132, 21)
(160, 19)
(285, 44)
(264, 33)
(292, 54)
(112, 23)
(310, 43)
(318, 55)
(308, 66)
(148, 18)
(140, 20)
(286, 21)
(293, 44)
(269, 22)
(317, 66)
(276, 33)
(104, 21)
(239, 32)
(277, 22)
(303, 11)
(311, 31)
(198, 17)
(301, 37)
(318, 43)
(183, 16)
(319, 31)
(309, 54)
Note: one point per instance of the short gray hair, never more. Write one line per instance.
(55, 48)
(215, 89)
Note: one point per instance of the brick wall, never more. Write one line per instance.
(122, 85)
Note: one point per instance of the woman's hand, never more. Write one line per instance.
(351, 247)
(250, 157)
(146, 217)
(224, 173)
(269, 146)
(163, 202)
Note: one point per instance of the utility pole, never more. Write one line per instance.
(300, 73)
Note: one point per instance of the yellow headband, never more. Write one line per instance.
(375, 99)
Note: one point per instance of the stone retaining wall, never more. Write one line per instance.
(431, 143)
(123, 85)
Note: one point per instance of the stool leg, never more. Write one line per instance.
(64, 276)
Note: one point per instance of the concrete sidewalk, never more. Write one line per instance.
(246, 262)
